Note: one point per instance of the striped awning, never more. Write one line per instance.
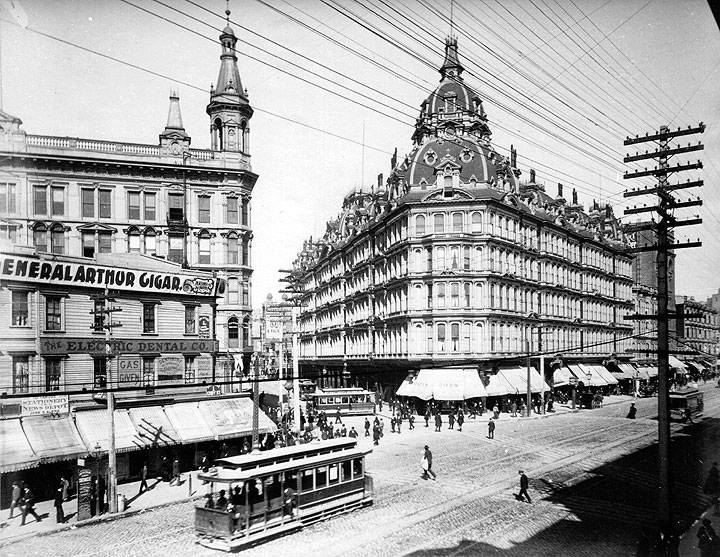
(52, 438)
(498, 385)
(94, 429)
(443, 384)
(517, 377)
(15, 450)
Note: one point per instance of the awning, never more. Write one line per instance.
(603, 372)
(643, 374)
(499, 386)
(674, 362)
(93, 427)
(649, 371)
(517, 378)
(232, 417)
(562, 376)
(15, 451)
(443, 384)
(697, 365)
(594, 379)
(153, 427)
(187, 420)
(53, 439)
(625, 371)
(580, 373)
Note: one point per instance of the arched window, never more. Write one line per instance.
(57, 239)
(218, 132)
(466, 258)
(233, 333)
(40, 237)
(439, 221)
(133, 240)
(231, 249)
(454, 294)
(204, 248)
(150, 241)
(420, 225)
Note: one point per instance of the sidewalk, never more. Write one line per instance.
(160, 494)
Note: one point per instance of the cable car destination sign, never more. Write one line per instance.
(30, 269)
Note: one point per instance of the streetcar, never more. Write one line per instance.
(349, 401)
(686, 402)
(256, 497)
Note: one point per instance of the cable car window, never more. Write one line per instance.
(345, 400)
(272, 484)
(346, 470)
(333, 476)
(321, 477)
(306, 482)
(357, 467)
(338, 400)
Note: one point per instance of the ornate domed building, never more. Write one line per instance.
(454, 261)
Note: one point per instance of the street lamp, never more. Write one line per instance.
(97, 454)
(528, 411)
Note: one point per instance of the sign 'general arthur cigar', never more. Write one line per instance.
(98, 276)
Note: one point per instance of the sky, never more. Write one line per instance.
(336, 86)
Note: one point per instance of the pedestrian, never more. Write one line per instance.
(222, 501)
(28, 505)
(438, 421)
(427, 462)
(143, 478)
(708, 542)
(473, 410)
(392, 424)
(176, 471)
(451, 420)
(59, 512)
(688, 416)
(382, 427)
(204, 465)
(337, 416)
(524, 487)
(496, 412)
(367, 427)
(289, 501)
(376, 434)
(16, 498)
(411, 421)
(513, 409)
(354, 433)
(631, 412)
(460, 420)
(343, 431)
(65, 485)
(491, 429)
(398, 423)
(427, 417)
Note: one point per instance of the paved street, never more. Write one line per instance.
(591, 479)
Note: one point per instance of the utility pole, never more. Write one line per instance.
(665, 209)
(296, 372)
(108, 326)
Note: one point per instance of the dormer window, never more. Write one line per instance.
(450, 104)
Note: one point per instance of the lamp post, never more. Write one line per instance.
(97, 454)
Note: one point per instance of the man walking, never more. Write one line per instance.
(524, 487)
(631, 413)
(427, 464)
(491, 429)
(451, 420)
(367, 427)
(16, 497)
(411, 421)
(59, 511)
(143, 478)
(438, 422)
(460, 420)
(427, 418)
(29, 505)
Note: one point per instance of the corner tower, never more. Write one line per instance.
(229, 109)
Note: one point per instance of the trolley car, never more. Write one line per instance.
(279, 491)
(686, 403)
(350, 401)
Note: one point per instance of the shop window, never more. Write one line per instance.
(53, 313)
(19, 308)
(21, 374)
(53, 371)
(149, 318)
(190, 312)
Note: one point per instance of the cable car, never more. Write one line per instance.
(684, 402)
(350, 401)
(255, 497)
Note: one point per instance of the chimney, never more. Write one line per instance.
(380, 180)
(513, 157)
(560, 190)
(532, 175)
(574, 197)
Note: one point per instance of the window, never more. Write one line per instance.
(321, 475)
(204, 248)
(333, 474)
(8, 232)
(134, 205)
(57, 239)
(441, 295)
(420, 225)
(52, 374)
(466, 258)
(245, 252)
(190, 369)
(306, 480)
(175, 248)
(190, 320)
(53, 313)
(245, 293)
(231, 210)
(58, 201)
(150, 245)
(204, 208)
(429, 296)
(21, 374)
(88, 203)
(457, 222)
(40, 200)
(148, 371)
(233, 333)
(100, 373)
(176, 207)
(231, 251)
(245, 212)
(357, 465)
(88, 244)
(148, 318)
(105, 203)
(7, 198)
(232, 291)
(439, 221)
(19, 311)
(149, 206)
(104, 242)
(134, 241)
(455, 336)
(441, 337)
(346, 470)
(454, 294)
(467, 294)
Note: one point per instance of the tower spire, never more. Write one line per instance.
(451, 66)
(174, 137)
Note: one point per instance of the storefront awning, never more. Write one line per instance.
(94, 430)
(517, 378)
(153, 427)
(562, 376)
(187, 420)
(498, 386)
(605, 374)
(53, 439)
(443, 384)
(232, 417)
(15, 451)
(624, 371)
(593, 378)
(674, 362)
(646, 372)
(697, 365)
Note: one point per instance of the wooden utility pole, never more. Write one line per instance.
(665, 210)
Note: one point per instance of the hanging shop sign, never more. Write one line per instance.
(45, 405)
(60, 346)
(30, 269)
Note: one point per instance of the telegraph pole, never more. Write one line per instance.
(666, 204)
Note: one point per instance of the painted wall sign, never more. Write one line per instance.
(204, 326)
(45, 405)
(59, 346)
(273, 330)
(30, 269)
(203, 369)
(129, 371)
(170, 368)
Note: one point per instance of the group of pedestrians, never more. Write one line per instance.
(23, 499)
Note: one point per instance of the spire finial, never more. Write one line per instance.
(227, 11)
(452, 23)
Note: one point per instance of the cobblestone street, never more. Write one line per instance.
(591, 475)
